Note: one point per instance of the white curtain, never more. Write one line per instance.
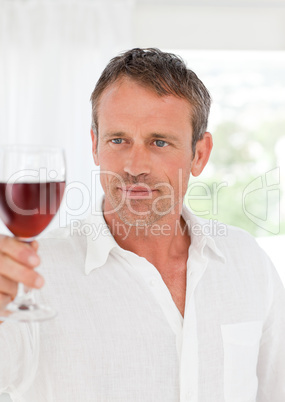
(51, 54)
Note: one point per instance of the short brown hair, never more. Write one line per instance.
(163, 72)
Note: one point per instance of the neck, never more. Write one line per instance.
(163, 241)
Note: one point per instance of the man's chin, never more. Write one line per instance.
(139, 212)
(139, 219)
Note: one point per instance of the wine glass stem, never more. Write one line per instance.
(24, 294)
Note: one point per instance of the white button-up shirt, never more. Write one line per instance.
(119, 336)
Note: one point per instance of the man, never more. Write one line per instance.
(152, 309)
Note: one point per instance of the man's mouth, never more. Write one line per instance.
(137, 192)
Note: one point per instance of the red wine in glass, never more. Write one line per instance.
(32, 183)
(27, 208)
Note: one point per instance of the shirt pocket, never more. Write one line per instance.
(241, 348)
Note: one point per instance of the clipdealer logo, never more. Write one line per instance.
(264, 194)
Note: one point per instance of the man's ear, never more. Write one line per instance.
(94, 147)
(202, 154)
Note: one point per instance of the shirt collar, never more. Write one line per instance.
(100, 241)
(203, 232)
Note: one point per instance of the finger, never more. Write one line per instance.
(19, 273)
(8, 287)
(35, 245)
(21, 252)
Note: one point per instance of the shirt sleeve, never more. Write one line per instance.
(18, 356)
(271, 362)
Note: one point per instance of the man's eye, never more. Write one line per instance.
(160, 143)
(117, 141)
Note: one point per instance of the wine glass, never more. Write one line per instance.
(32, 183)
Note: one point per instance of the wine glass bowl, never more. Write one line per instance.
(27, 208)
(32, 183)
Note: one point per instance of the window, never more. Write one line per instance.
(243, 184)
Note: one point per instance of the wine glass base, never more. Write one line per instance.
(28, 312)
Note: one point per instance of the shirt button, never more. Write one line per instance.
(188, 396)
(152, 282)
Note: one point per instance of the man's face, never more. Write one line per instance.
(144, 152)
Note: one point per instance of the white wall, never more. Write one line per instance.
(238, 25)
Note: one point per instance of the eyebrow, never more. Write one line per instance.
(162, 136)
(113, 135)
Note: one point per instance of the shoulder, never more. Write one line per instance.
(235, 239)
(238, 247)
(245, 261)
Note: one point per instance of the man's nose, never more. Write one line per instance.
(137, 161)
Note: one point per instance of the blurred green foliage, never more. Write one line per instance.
(240, 156)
